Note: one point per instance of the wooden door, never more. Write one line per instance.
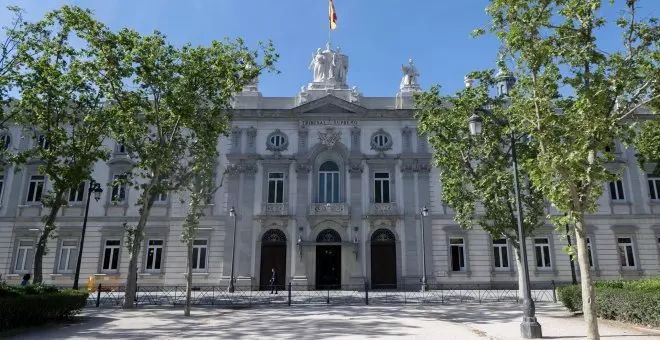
(273, 255)
(383, 266)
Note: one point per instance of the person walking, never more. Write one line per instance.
(273, 281)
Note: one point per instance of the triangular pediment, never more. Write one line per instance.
(329, 104)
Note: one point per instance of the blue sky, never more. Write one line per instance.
(377, 35)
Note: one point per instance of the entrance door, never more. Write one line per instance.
(328, 260)
(273, 255)
(328, 267)
(383, 260)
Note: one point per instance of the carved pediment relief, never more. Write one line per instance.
(329, 104)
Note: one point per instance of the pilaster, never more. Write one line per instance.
(411, 255)
(245, 237)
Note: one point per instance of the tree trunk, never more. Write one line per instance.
(521, 279)
(186, 308)
(588, 291)
(134, 251)
(49, 226)
(571, 258)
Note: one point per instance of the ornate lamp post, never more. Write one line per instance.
(231, 288)
(95, 188)
(424, 212)
(529, 327)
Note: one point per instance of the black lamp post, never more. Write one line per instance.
(424, 212)
(529, 327)
(231, 288)
(95, 188)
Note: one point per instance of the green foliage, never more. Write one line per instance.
(571, 297)
(477, 170)
(8, 64)
(575, 101)
(62, 106)
(628, 301)
(647, 143)
(36, 305)
(171, 116)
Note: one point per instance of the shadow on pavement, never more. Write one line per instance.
(281, 322)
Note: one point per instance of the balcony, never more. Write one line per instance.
(383, 209)
(275, 209)
(329, 209)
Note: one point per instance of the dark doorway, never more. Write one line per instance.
(383, 260)
(328, 260)
(273, 255)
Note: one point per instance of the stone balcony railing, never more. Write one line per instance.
(325, 209)
(275, 209)
(383, 209)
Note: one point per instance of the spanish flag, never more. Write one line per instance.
(332, 15)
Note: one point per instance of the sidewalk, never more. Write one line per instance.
(467, 321)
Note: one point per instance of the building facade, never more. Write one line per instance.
(327, 187)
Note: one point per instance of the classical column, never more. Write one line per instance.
(423, 167)
(355, 171)
(233, 172)
(411, 232)
(245, 212)
(302, 209)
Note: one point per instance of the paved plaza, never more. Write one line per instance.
(460, 321)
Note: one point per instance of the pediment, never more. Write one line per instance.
(329, 104)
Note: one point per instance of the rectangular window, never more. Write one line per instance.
(35, 189)
(500, 253)
(616, 191)
(654, 188)
(77, 194)
(382, 187)
(111, 255)
(590, 253)
(43, 142)
(121, 148)
(457, 254)
(199, 254)
(626, 253)
(67, 260)
(328, 187)
(542, 248)
(154, 255)
(275, 187)
(24, 256)
(161, 198)
(119, 189)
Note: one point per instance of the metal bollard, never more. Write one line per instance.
(366, 293)
(289, 294)
(554, 291)
(328, 299)
(98, 295)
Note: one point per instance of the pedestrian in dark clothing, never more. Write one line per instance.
(273, 282)
(26, 280)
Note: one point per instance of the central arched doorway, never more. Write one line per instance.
(328, 260)
(273, 255)
(383, 260)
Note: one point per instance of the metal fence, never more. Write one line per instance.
(107, 296)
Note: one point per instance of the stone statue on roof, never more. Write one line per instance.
(410, 76)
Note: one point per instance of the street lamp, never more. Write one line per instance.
(96, 189)
(424, 212)
(232, 213)
(529, 327)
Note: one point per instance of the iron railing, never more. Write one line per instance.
(366, 294)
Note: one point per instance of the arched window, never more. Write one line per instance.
(328, 236)
(273, 235)
(328, 183)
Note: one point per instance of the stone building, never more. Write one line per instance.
(328, 187)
